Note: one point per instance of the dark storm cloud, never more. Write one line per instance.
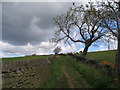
(31, 22)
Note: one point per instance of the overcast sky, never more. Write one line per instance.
(28, 26)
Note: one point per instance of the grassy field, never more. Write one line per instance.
(109, 56)
(25, 58)
(100, 55)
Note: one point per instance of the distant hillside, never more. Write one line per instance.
(26, 58)
(103, 55)
(99, 55)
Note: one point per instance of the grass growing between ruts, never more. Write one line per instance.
(80, 80)
(57, 78)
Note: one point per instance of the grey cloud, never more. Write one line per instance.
(17, 19)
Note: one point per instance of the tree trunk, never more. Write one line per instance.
(85, 51)
(118, 57)
(118, 53)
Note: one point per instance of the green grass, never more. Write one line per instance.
(109, 56)
(57, 77)
(81, 72)
(97, 78)
(81, 83)
(24, 58)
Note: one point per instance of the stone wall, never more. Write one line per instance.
(110, 70)
(24, 73)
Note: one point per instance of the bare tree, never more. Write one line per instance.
(80, 24)
(111, 10)
(111, 13)
(118, 57)
(57, 50)
(116, 12)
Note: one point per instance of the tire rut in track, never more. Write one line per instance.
(71, 81)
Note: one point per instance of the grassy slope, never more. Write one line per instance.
(100, 55)
(103, 56)
(24, 58)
